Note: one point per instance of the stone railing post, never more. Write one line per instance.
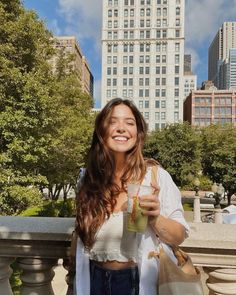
(70, 276)
(222, 282)
(218, 216)
(37, 276)
(196, 209)
(5, 273)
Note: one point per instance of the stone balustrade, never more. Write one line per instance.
(38, 242)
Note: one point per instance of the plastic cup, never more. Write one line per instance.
(136, 221)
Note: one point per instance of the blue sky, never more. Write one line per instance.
(83, 18)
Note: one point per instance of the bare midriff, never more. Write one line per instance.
(115, 265)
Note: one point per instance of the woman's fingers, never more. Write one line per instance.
(150, 205)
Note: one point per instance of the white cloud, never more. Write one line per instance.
(84, 18)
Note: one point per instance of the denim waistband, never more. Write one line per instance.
(94, 265)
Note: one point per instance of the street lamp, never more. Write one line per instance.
(196, 185)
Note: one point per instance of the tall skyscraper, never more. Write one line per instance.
(227, 71)
(190, 80)
(224, 40)
(143, 56)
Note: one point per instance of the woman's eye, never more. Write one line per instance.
(130, 123)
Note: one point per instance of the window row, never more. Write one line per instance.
(142, 23)
(143, 12)
(142, 104)
(143, 34)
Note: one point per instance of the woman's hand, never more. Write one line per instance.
(151, 204)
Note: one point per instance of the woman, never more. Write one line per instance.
(111, 260)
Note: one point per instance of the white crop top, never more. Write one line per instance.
(114, 241)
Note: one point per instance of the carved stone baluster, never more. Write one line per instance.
(70, 276)
(5, 273)
(37, 276)
(222, 282)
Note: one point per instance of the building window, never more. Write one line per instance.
(164, 33)
(131, 12)
(158, 11)
(163, 93)
(176, 81)
(115, 71)
(158, 22)
(177, 47)
(157, 70)
(176, 69)
(114, 82)
(176, 104)
(177, 22)
(148, 12)
(116, 12)
(140, 92)
(157, 104)
(146, 92)
(140, 104)
(163, 70)
(108, 59)
(177, 10)
(146, 104)
(177, 33)
(164, 11)
(163, 58)
(108, 82)
(157, 92)
(109, 24)
(141, 12)
(157, 116)
(157, 81)
(163, 115)
(109, 93)
(141, 23)
(163, 81)
(177, 58)
(109, 71)
(146, 115)
(158, 58)
(141, 82)
(109, 13)
(176, 92)
(163, 104)
(110, 2)
(158, 34)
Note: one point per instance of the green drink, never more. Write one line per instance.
(137, 222)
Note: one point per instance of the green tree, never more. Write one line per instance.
(41, 114)
(219, 155)
(177, 148)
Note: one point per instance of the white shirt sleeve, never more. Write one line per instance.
(170, 198)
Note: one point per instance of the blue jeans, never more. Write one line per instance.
(113, 282)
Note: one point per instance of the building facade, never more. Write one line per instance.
(224, 40)
(79, 64)
(210, 106)
(190, 80)
(227, 72)
(142, 57)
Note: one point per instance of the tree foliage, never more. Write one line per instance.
(219, 155)
(44, 128)
(177, 148)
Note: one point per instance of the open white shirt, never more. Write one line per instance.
(171, 207)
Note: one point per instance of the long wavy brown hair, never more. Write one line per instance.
(96, 198)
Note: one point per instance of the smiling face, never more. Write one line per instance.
(122, 130)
